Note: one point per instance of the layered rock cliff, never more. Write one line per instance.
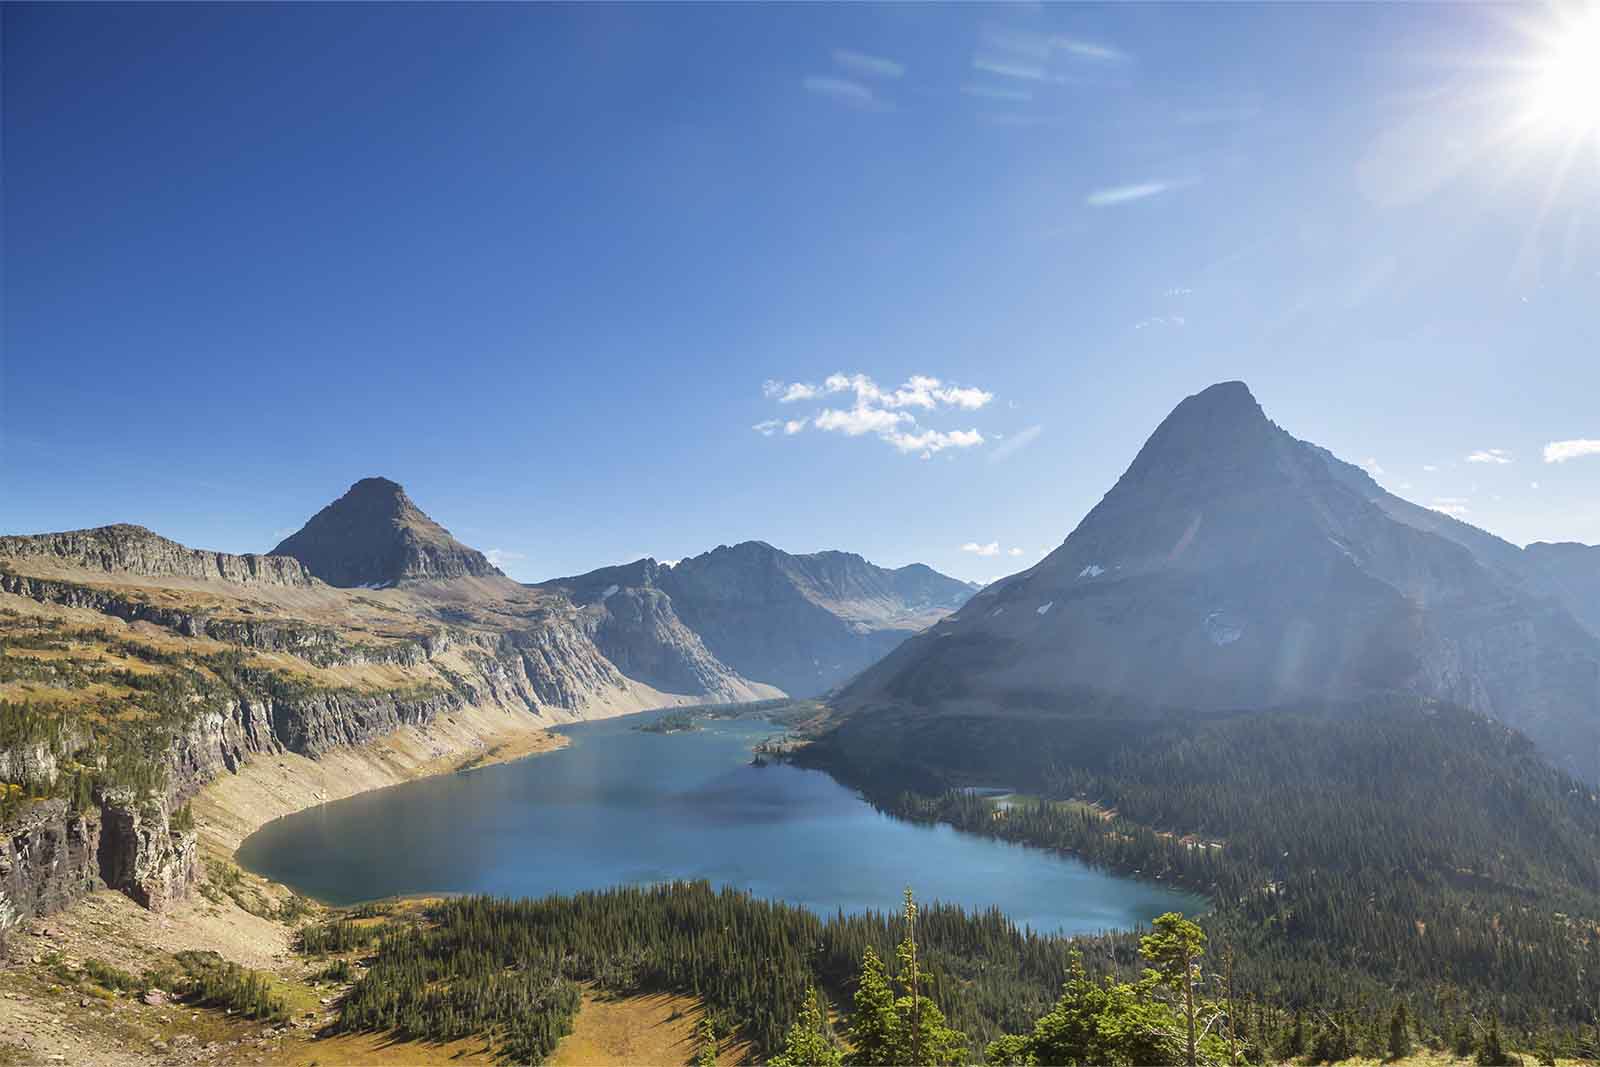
(134, 550)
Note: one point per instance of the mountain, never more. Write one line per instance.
(1234, 566)
(375, 536)
(800, 623)
(632, 621)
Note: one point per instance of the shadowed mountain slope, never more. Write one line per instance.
(1234, 566)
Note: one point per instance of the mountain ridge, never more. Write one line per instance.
(1233, 565)
(799, 623)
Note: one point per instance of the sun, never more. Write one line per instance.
(1563, 91)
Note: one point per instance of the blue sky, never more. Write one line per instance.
(540, 264)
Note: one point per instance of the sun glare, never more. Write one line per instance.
(1565, 87)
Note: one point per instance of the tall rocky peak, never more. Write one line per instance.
(1217, 439)
(127, 549)
(374, 535)
(1234, 566)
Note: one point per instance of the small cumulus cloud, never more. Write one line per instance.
(1013, 551)
(868, 66)
(1429, 467)
(1454, 506)
(1561, 451)
(1370, 465)
(885, 413)
(787, 393)
(501, 556)
(1490, 455)
(990, 549)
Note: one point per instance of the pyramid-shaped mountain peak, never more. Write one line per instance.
(375, 535)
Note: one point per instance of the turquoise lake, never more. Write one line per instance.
(620, 805)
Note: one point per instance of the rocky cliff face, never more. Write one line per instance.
(375, 536)
(49, 857)
(141, 854)
(751, 619)
(632, 621)
(1234, 566)
(135, 550)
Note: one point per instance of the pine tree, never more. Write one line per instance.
(1399, 1032)
(1173, 951)
(873, 1022)
(807, 1043)
(1492, 1052)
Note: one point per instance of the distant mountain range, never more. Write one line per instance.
(800, 623)
(1234, 566)
(372, 571)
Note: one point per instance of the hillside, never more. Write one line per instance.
(1234, 566)
(799, 623)
(133, 670)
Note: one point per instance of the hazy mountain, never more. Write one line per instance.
(1570, 572)
(374, 535)
(801, 623)
(1235, 566)
(632, 621)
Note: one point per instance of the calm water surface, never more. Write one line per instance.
(623, 806)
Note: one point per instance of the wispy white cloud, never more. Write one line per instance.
(1160, 320)
(501, 556)
(846, 92)
(1370, 465)
(866, 66)
(1013, 551)
(990, 549)
(1031, 56)
(1561, 451)
(794, 426)
(1015, 443)
(767, 427)
(1490, 455)
(995, 92)
(1113, 195)
(1429, 467)
(1455, 506)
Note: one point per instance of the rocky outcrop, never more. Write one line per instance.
(49, 857)
(375, 536)
(1235, 566)
(142, 855)
(129, 549)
